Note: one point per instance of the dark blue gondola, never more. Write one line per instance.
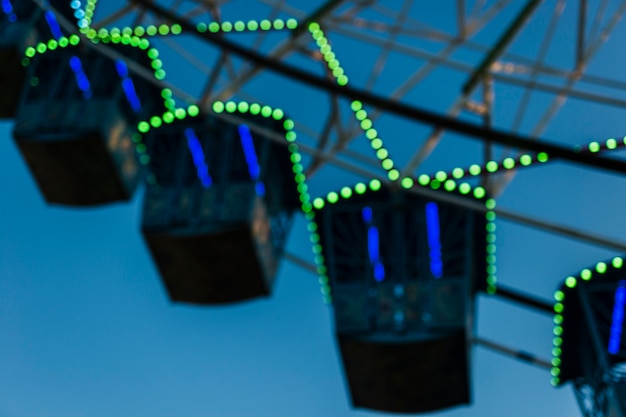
(403, 271)
(589, 344)
(76, 116)
(22, 24)
(217, 207)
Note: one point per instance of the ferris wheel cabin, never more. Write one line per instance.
(403, 270)
(75, 119)
(589, 344)
(23, 24)
(218, 207)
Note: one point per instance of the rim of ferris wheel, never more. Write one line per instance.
(474, 131)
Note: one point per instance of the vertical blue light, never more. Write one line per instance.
(373, 245)
(617, 321)
(53, 24)
(81, 78)
(128, 86)
(434, 241)
(197, 155)
(251, 158)
(75, 63)
(7, 9)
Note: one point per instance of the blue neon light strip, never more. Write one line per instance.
(373, 245)
(81, 77)
(128, 86)
(7, 9)
(197, 154)
(53, 24)
(617, 321)
(434, 240)
(251, 159)
(75, 63)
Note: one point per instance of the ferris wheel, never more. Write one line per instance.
(463, 97)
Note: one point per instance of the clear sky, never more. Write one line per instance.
(86, 328)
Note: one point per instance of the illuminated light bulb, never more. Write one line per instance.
(475, 169)
(253, 25)
(193, 110)
(332, 197)
(601, 267)
(143, 127)
(559, 295)
(231, 106)
(508, 163)
(594, 147)
(168, 117)
(346, 192)
(423, 180)
(407, 182)
(585, 274)
(318, 203)
(387, 164)
(393, 174)
(617, 262)
(441, 176)
(611, 143)
(375, 184)
(243, 107)
(479, 192)
(278, 114)
(492, 166)
(255, 108)
(266, 111)
(458, 173)
(288, 124)
(360, 188)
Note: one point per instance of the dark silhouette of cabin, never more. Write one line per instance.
(218, 212)
(23, 24)
(589, 342)
(403, 271)
(75, 121)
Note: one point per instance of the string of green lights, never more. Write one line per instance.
(136, 37)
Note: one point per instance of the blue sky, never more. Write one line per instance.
(86, 328)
